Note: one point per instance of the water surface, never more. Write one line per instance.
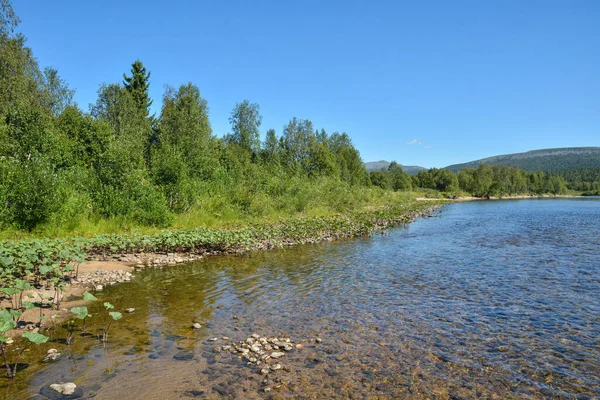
(496, 299)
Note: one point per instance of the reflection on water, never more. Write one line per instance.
(489, 299)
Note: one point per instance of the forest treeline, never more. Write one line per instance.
(63, 168)
(483, 181)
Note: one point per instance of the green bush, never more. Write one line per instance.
(31, 193)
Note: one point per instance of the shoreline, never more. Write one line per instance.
(103, 267)
(515, 197)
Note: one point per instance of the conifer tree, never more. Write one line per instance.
(137, 84)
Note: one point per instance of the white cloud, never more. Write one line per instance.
(427, 147)
(414, 141)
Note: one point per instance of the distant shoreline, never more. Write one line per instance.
(517, 197)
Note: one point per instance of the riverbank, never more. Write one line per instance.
(515, 197)
(94, 263)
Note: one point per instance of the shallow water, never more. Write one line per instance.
(497, 299)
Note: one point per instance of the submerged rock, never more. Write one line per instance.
(64, 388)
(52, 356)
(184, 356)
(61, 391)
(196, 325)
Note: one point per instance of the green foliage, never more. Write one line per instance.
(8, 18)
(87, 296)
(30, 192)
(35, 338)
(80, 312)
(115, 315)
(245, 122)
(137, 85)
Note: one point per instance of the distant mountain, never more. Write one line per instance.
(548, 160)
(383, 165)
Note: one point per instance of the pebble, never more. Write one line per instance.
(318, 340)
(130, 310)
(196, 325)
(277, 354)
(275, 367)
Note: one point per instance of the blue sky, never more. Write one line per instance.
(427, 83)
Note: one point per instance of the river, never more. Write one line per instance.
(492, 299)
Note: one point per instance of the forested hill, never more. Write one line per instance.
(383, 165)
(547, 160)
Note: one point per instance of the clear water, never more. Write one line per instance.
(496, 299)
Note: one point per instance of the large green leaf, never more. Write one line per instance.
(6, 321)
(22, 285)
(35, 337)
(80, 312)
(115, 315)
(87, 296)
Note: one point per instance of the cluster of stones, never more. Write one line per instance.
(262, 352)
(144, 260)
(101, 278)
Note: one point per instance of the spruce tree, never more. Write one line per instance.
(137, 84)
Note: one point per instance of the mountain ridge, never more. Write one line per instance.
(547, 160)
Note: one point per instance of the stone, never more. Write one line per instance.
(213, 339)
(265, 371)
(99, 287)
(196, 325)
(130, 310)
(66, 389)
(299, 346)
(184, 356)
(277, 354)
(52, 356)
(318, 340)
(275, 367)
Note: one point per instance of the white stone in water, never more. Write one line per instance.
(130, 310)
(99, 287)
(255, 336)
(213, 339)
(64, 388)
(255, 348)
(277, 354)
(50, 351)
(196, 325)
(275, 367)
(264, 371)
(318, 340)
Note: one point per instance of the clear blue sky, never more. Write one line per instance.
(461, 80)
